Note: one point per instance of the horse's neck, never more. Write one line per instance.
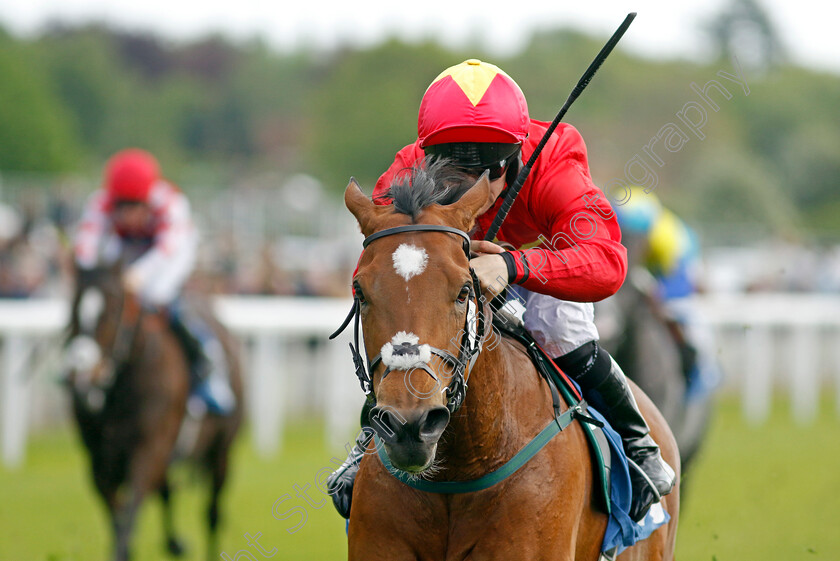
(497, 414)
(149, 348)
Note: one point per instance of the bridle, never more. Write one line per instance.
(128, 322)
(474, 331)
(471, 344)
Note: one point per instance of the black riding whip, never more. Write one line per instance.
(582, 83)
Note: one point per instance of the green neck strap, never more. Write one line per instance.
(521, 458)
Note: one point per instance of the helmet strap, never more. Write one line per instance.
(512, 171)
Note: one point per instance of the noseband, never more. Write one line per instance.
(128, 324)
(471, 341)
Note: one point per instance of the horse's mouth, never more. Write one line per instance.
(416, 459)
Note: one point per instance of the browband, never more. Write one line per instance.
(418, 228)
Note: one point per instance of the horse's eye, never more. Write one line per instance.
(357, 292)
(464, 294)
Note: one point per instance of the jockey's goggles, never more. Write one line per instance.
(473, 158)
(496, 170)
(125, 204)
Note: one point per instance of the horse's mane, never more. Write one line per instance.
(433, 181)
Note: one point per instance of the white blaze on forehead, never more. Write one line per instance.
(91, 306)
(409, 260)
(422, 355)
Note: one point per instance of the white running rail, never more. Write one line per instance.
(765, 341)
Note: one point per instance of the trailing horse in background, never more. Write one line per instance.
(634, 331)
(418, 303)
(129, 382)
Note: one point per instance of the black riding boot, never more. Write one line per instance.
(198, 363)
(605, 387)
(207, 363)
(340, 482)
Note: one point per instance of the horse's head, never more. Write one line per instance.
(103, 321)
(419, 305)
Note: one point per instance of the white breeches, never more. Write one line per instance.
(559, 326)
(162, 274)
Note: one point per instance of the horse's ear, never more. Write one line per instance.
(472, 202)
(364, 209)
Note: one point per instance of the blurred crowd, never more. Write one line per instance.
(774, 265)
(244, 251)
(33, 251)
(36, 256)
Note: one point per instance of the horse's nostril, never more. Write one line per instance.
(386, 422)
(420, 426)
(433, 423)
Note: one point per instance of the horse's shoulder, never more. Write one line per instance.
(513, 346)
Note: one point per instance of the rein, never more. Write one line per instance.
(554, 427)
(474, 330)
(577, 410)
(127, 325)
(129, 322)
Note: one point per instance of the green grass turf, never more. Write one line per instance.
(766, 493)
(49, 509)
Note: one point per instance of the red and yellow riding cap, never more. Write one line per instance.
(473, 101)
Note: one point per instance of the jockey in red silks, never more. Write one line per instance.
(476, 116)
(144, 220)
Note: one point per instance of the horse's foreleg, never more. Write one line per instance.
(173, 544)
(146, 474)
(218, 471)
(123, 508)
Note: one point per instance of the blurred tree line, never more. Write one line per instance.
(216, 111)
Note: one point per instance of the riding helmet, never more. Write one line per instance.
(130, 175)
(473, 101)
(639, 211)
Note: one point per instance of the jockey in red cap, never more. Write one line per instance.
(476, 116)
(130, 175)
(141, 218)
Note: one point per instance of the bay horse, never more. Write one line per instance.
(129, 383)
(415, 297)
(637, 336)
